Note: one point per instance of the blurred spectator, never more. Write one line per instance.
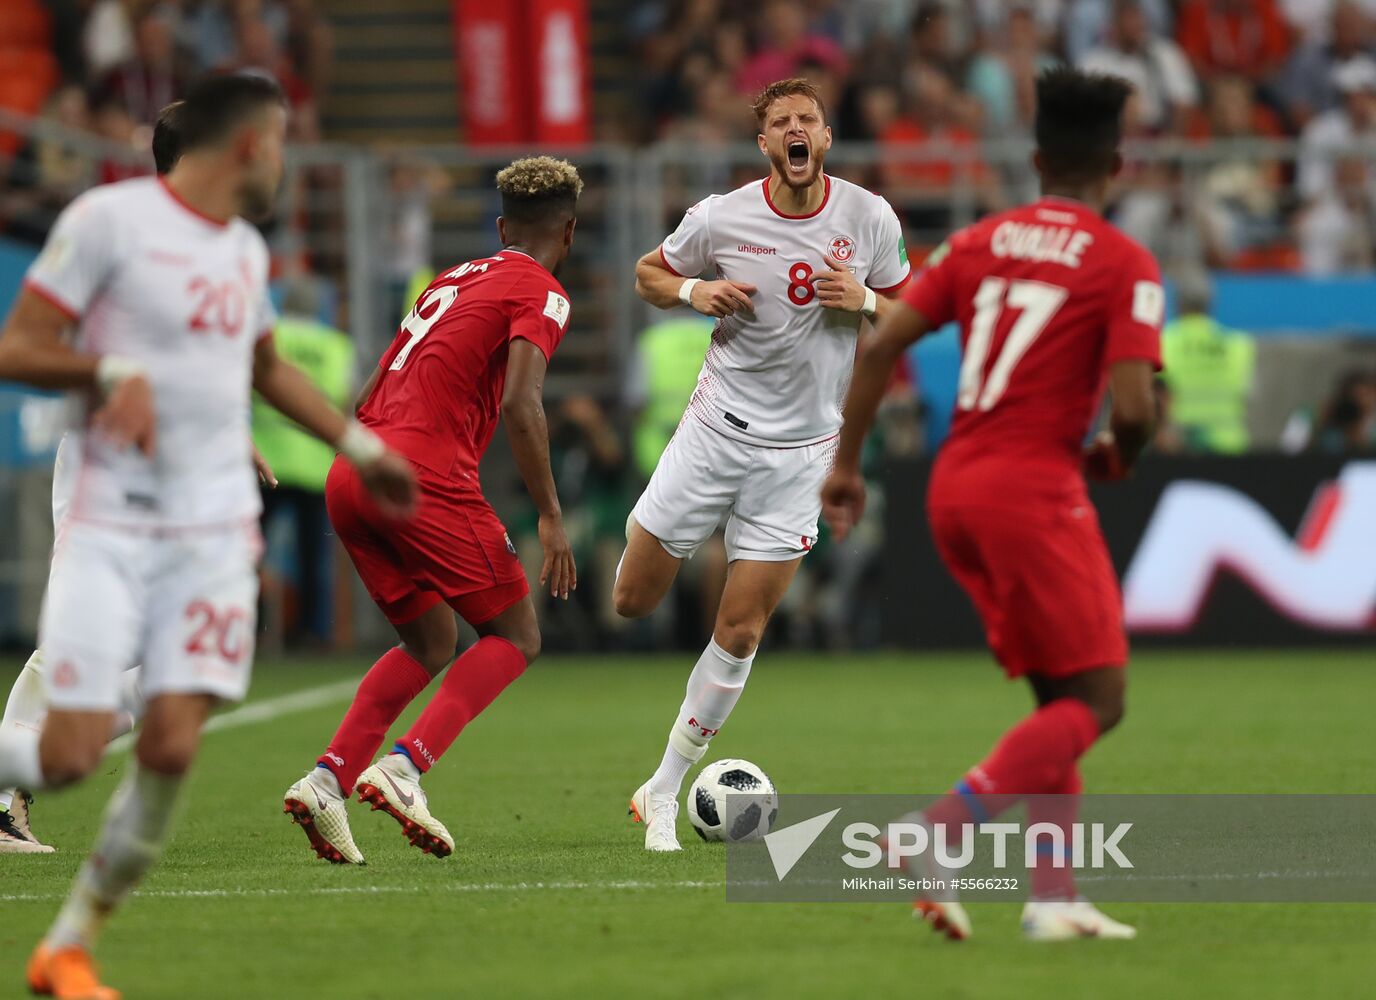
(1338, 230)
(1210, 371)
(1349, 419)
(664, 373)
(1240, 192)
(310, 46)
(924, 188)
(787, 41)
(108, 39)
(48, 172)
(1307, 86)
(1167, 439)
(206, 31)
(1154, 65)
(932, 41)
(1003, 76)
(150, 80)
(1088, 24)
(1352, 120)
(301, 463)
(1244, 37)
(1311, 20)
(260, 51)
(113, 123)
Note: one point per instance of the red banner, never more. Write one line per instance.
(489, 44)
(525, 71)
(563, 81)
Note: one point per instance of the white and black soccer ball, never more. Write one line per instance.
(732, 800)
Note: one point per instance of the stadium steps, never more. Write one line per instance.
(616, 78)
(394, 72)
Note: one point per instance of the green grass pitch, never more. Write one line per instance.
(549, 893)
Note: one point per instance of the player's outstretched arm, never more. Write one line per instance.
(664, 289)
(1132, 419)
(32, 351)
(285, 387)
(843, 494)
(523, 412)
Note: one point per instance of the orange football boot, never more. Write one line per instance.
(67, 974)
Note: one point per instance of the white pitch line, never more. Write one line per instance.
(379, 890)
(265, 710)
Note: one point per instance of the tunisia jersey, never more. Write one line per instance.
(1048, 297)
(438, 398)
(777, 376)
(143, 275)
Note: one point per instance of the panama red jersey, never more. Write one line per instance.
(1047, 297)
(438, 398)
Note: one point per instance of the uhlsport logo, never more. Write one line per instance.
(1324, 577)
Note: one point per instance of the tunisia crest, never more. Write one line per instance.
(842, 248)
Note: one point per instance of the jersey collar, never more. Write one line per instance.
(826, 196)
(186, 206)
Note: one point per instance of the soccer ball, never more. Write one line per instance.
(717, 814)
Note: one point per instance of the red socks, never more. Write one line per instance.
(1032, 759)
(1059, 807)
(473, 682)
(383, 694)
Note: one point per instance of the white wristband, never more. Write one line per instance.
(871, 305)
(112, 369)
(685, 291)
(359, 445)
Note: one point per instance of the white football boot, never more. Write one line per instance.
(1070, 920)
(317, 806)
(659, 812)
(390, 785)
(15, 835)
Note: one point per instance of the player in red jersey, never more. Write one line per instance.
(1053, 304)
(474, 348)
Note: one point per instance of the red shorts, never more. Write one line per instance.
(1041, 581)
(454, 550)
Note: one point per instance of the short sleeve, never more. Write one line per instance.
(77, 259)
(265, 317)
(540, 314)
(1138, 311)
(890, 271)
(687, 251)
(932, 292)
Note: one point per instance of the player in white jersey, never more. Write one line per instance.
(799, 260)
(155, 559)
(27, 704)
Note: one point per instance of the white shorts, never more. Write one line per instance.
(770, 497)
(66, 467)
(181, 603)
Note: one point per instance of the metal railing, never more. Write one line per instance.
(367, 223)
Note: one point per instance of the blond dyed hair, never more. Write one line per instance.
(538, 185)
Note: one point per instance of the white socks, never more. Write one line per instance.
(137, 823)
(19, 767)
(24, 712)
(27, 707)
(714, 687)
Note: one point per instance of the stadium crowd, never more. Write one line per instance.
(106, 67)
(950, 73)
(951, 79)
